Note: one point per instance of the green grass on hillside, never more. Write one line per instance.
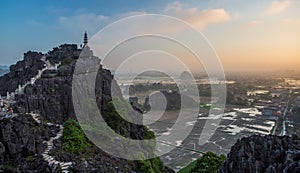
(188, 168)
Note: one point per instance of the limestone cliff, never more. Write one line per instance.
(264, 154)
(49, 94)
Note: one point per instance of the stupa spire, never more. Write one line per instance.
(85, 39)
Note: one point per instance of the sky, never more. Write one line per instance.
(247, 35)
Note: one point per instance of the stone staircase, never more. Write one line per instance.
(51, 161)
(20, 89)
(10, 98)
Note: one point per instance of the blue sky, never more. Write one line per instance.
(233, 26)
(34, 24)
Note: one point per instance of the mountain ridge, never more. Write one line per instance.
(47, 100)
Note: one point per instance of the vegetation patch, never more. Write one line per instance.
(117, 123)
(208, 163)
(73, 138)
(30, 158)
(154, 165)
(66, 61)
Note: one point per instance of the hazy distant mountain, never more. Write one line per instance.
(186, 76)
(153, 73)
(3, 69)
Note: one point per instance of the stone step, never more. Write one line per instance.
(65, 167)
(67, 164)
(56, 162)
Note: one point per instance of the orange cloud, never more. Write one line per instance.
(254, 23)
(278, 7)
(199, 19)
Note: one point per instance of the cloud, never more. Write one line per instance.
(83, 22)
(200, 19)
(291, 22)
(91, 21)
(254, 23)
(57, 11)
(277, 7)
(33, 23)
(94, 22)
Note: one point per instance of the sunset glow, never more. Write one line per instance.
(256, 35)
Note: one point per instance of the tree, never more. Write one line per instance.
(209, 163)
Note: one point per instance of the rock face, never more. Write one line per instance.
(51, 96)
(22, 143)
(264, 154)
(21, 72)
